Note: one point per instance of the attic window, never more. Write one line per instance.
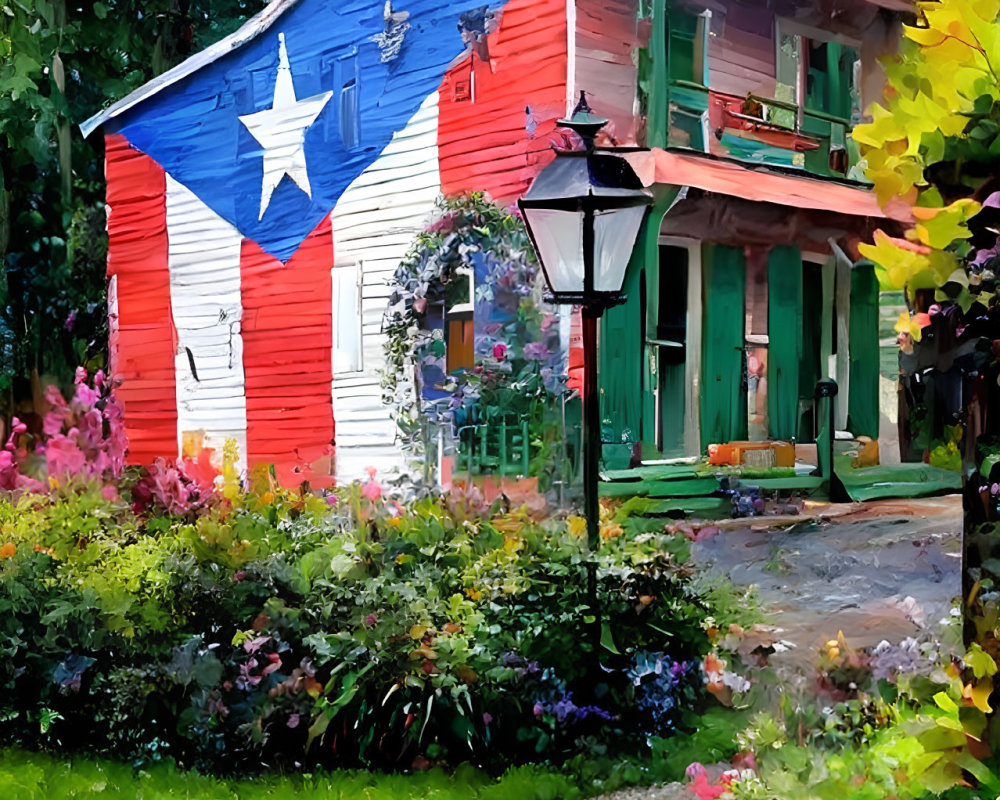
(349, 112)
(464, 84)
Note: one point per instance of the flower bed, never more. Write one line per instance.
(280, 629)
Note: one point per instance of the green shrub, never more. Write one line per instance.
(274, 630)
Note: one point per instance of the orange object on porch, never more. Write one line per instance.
(757, 454)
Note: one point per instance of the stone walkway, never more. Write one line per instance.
(877, 570)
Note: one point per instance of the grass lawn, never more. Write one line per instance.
(38, 776)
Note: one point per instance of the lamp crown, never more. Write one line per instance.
(584, 121)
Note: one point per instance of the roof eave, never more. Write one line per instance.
(254, 26)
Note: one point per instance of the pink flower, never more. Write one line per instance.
(487, 718)
(110, 493)
(293, 721)
(704, 790)
(81, 375)
(372, 490)
(500, 350)
(63, 456)
(538, 710)
(420, 305)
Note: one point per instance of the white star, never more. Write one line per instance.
(281, 131)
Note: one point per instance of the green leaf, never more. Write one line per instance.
(945, 703)
(988, 463)
(980, 661)
(607, 640)
(100, 10)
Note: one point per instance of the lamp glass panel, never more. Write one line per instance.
(559, 238)
(615, 232)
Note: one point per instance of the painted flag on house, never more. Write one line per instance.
(265, 189)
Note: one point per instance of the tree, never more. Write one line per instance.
(59, 64)
(935, 143)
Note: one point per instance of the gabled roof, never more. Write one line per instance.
(248, 31)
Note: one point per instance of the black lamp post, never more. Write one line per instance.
(583, 213)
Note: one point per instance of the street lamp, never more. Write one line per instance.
(583, 213)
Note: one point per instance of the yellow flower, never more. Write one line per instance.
(577, 526)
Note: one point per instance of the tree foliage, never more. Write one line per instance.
(59, 64)
(934, 141)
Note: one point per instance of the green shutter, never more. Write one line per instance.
(784, 329)
(862, 405)
(723, 392)
(621, 351)
(682, 30)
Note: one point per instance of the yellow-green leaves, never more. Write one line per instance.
(900, 263)
(933, 86)
(939, 227)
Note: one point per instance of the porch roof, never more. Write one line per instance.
(762, 185)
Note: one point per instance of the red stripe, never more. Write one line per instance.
(485, 145)
(287, 341)
(145, 343)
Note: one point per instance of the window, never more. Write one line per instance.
(349, 112)
(815, 74)
(459, 326)
(347, 350)
(687, 45)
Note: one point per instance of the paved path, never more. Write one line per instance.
(878, 570)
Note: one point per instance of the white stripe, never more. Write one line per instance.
(204, 261)
(374, 224)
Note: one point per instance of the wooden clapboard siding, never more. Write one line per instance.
(207, 312)
(500, 139)
(741, 54)
(374, 224)
(604, 67)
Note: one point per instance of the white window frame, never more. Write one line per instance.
(347, 295)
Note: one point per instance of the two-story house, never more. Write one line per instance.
(747, 289)
(261, 194)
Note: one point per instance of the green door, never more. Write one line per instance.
(862, 404)
(666, 345)
(723, 390)
(784, 323)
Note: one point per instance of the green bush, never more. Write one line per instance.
(272, 630)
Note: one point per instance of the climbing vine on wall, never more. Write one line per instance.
(518, 365)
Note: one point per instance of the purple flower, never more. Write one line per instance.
(370, 620)
(487, 718)
(536, 351)
(70, 320)
(695, 769)
(538, 710)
